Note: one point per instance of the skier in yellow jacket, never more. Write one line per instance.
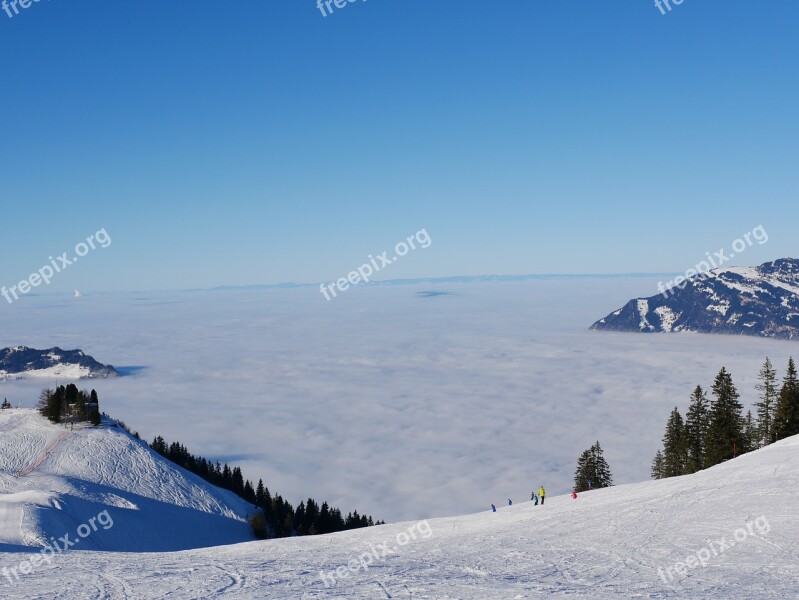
(542, 493)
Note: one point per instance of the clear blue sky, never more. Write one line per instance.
(253, 141)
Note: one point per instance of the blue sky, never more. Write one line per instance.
(260, 142)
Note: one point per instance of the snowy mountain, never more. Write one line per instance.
(760, 301)
(21, 361)
(728, 532)
(53, 479)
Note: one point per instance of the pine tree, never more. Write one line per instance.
(674, 446)
(603, 476)
(50, 402)
(767, 387)
(725, 436)
(71, 394)
(695, 431)
(325, 519)
(159, 445)
(582, 475)
(259, 527)
(750, 431)
(94, 412)
(237, 482)
(658, 470)
(786, 421)
(592, 471)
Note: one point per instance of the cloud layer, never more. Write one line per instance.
(400, 404)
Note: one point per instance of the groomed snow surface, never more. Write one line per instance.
(154, 504)
(645, 540)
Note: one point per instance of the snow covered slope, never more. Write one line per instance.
(52, 481)
(729, 532)
(761, 301)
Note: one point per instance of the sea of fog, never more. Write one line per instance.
(402, 401)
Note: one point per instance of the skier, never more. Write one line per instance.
(542, 492)
(574, 494)
(493, 508)
(510, 502)
(534, 499)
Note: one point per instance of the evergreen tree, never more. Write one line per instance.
(71, 394)
(249, 492)
(725, 436)
(592, 471)
(94, 411)
(750, 431)
(159, 445)
(258, 524)
(658, 470)
(696, 426)
(277, 518)
(786, 421)
(767, 405)
(50, 402)
(237, 482)
(582, 473)
(674, 446)
(325, 519)
(260, 494)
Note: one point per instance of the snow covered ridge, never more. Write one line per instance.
(102, 475)
(21, 361)
(760, 301)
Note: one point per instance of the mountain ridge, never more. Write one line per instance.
(759, 301)
(22, 361)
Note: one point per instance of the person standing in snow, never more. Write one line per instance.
(542, 492)
(510, 502)
(574, 494)
(493, 508)
(534, 499)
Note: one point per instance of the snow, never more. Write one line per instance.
(71, 371)
(753, 277)
(643, 311)
(747, 272)
(667, 317)
(88, 470)
(720, 308)
(629, 541)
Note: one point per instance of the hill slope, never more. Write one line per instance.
(21, 361)
(154, 505)
(622, 542)
(761, 301)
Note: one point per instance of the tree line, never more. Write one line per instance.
(715, 430)
(277, 517)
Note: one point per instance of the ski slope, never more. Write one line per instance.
(154, 504)
(613, 543)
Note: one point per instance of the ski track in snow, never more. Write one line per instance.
(152, 505)
(606, 544)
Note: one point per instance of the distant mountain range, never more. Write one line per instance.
(21, 361)
(761, 301)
